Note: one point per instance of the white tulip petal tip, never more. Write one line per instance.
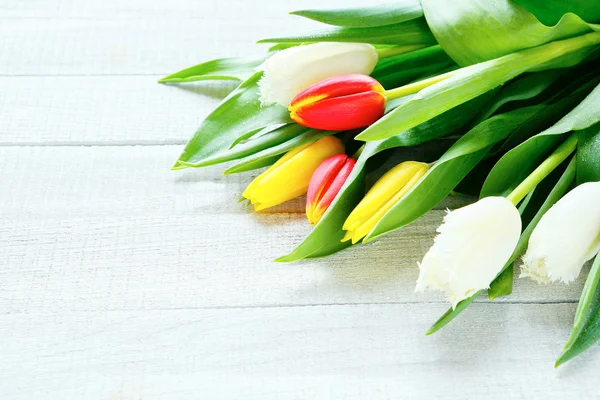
(288, 72)
(566, 237)
(473, 245)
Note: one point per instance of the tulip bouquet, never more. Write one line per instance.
(498, 100)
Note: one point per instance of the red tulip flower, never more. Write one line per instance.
(325, 184)
(340, 103)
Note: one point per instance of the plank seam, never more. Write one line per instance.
(123, 143)
(269, 306)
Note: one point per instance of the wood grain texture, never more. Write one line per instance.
(113, 110)
(96, 228)
(323, 352)
(84, 38)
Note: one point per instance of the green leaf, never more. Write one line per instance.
(503, 284)
(453, 166)
(221, 69)
(413, 32)
(266, 156)
(588, 154)
(256, 133)
(519, 162)
(550, 12)
(586, 327)
(399, 70)
(283, 46)
(366, 17)
(470, 82)
(239, 113)
(472, 31)
(256, 163)
(524, 87)
(451, 314)
(555, 194)
(326, 236)
(523, 92)
(255, 146)
(528, 208)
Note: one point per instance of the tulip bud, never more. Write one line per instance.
(381, 197)
(340, 103)
(290, 71)
(325, 184)
(289, 177)
(566, 237)
(473, 245)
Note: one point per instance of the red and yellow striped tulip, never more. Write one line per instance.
(340, 103)
(381, 197)
(289, 177)
(325, 184)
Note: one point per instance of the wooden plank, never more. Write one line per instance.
(91, 228)
(86, 38)
(324, 352)
(100, 110)
(177, 9)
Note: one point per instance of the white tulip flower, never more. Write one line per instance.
(290, 71)
(566, 237)
(473, 245)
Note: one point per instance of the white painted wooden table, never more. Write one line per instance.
(120, 279)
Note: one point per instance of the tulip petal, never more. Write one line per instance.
(331, 190)
(473, 245)
(289, 177)
(337, 86)
(290, 71)
(381, 197)
(368, 225)
(336, 185)
(566, 237)
(341, 113)
(319, 184)
(340, 103)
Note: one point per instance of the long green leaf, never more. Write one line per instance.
(472, 31)
(399, 70)
(220, 69)
(470, 82)
(515, 165)
(239, 113)
(557, 192)
(366, 17)
(588, 154)
(527, 90)
(266, 156)
(257, 145)
(454, 165)
(503, 284)
(586, 327)
(521, 88)
(550, 12)
(325, 237)
(413, 32)
(528, 208)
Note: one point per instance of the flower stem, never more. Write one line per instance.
(390, 51)
(543, 170)
(417, 86)
(359, 152)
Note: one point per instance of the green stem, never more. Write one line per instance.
(390, 51)
(543, 170)
(417, 86)
(359, 152)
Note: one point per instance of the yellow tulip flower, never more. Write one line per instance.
(381, 197)
(289, 177)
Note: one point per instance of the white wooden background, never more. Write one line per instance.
(120, 279)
